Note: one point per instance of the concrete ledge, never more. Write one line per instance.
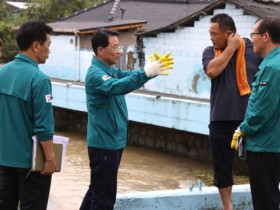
(183, 199)
(181, 114)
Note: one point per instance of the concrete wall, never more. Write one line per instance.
(181, 114)
(67, 61)
(186, 144)
(206, 199)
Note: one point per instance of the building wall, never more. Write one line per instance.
(71, 55)
(66, 61)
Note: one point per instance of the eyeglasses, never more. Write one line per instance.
(117, 48)
(253, 34)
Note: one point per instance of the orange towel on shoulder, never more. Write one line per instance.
(241, 76)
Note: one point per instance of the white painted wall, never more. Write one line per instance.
(187, 45)
(63, 60)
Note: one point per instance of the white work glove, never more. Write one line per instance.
(159, 65)
(154, 68)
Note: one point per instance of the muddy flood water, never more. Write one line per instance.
(141, 170)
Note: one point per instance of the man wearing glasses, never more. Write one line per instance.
(108, 117)
(231, 64)
(261, 125)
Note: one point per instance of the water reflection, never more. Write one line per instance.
(141, 169)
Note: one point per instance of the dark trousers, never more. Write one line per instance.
(102, 191)
(18, 185)
(220, 137)
(264, 176)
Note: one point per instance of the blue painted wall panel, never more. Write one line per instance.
(180, 114)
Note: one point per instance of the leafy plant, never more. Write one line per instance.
(44, 10)
(10, 48)
(9, 19)
(51, 10)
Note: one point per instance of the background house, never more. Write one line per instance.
(179, 101)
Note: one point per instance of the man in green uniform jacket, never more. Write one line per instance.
(108, 117)
(261, 125)
(25, 111)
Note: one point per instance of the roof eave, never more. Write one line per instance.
(116, 28)
(89, 30)
(57, 30)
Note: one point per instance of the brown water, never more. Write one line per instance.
(141, 169)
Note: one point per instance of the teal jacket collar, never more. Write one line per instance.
(109, 70)
(26, 59)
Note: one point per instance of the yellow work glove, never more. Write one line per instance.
(167, 60)
(234, 142)
(153, 68)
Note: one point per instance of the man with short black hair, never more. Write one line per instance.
(231, 64)
(107, 115)
(26, 110)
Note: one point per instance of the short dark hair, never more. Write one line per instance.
(271, 25)
(30, 32)
(225, 22)
(101, 38)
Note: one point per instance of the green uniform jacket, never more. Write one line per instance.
(107, 111)
(262, 121)
(25, 110)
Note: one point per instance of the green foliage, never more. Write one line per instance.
(51, 10)
(44, 10)
(10, 48)
(9, 19)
